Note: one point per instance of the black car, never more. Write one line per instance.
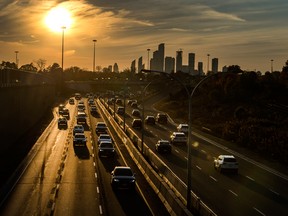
(150, 120)
(101, 128)
(137, 123)
(163, 146)
(162, 118)
(122, 177)
(106, 148)
(62, 123)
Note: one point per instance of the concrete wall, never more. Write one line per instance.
(21, 107)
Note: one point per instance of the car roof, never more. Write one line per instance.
(227, 156)
(178, 133)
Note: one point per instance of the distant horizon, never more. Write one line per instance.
(237, 32)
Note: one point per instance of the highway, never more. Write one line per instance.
(256, 190)
(58, 178)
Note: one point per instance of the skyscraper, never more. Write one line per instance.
(191, 62)
(179, 60)
(133, 66)
(140, 64)
(157, 61)
(169, 64)
(215, 65)
(200, 68)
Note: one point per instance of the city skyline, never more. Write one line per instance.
(237, 32)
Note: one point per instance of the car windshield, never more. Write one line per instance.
(80, 136)
(106, 145)
(123, 172)
(230, 160)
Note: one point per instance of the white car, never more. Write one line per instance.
(104, 137)
(183, 128)
(226, 163)
(178, 138)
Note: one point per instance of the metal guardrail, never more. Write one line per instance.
(166, 184)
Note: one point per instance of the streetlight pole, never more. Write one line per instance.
(148, 59)
(63, 29)
(94, 55)
(16, 52)
(272, 65)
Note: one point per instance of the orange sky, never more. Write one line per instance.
(235, 32)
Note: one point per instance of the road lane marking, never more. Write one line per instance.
(199, 168)
(176, 151)
(202, 150)
(258, 211)
(235, 194)
(100, 209)
(274, 192)
(186, 158)
(95, 175)
(97, 188)
(94, 164)
(213, 178)
(250, 178)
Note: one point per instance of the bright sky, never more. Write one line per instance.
(248, 33)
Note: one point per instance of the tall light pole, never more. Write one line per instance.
(94, 41)
(148, 59)
(208, 55)
(63, 29)
(16, 52)
(272, 65)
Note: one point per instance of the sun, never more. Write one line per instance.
(57, 18)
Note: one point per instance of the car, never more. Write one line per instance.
(134, 105)
(226, 163)
(104, 137)
(65, 113)
(183, 128)
(122, 177)
(150, 120)
(81, 117)
(129, 102)
(137, 123)
(62, 123)
(78, 96)
(71, 101)
(106, 148)
(101, 128)
(79, 139)
(78, 129)
(178, 138)
(119, 101)
(136, 112)
(60, 108)
(91, 102)
(162, 118)
(120, 110)
(81, 107)
(163, 146)
(93, 110)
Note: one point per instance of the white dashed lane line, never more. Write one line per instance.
(235, 194)
(199, 168)
(258, 211)
(250, 178)
(213, 178)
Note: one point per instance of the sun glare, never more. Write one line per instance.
(57, 18)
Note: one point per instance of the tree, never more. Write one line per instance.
(11, 65)
(40, 64)
(234, 69)
(285, 68)
(29, 67)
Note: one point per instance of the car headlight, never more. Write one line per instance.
(116, 180)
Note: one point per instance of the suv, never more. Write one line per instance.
(60, 108)
(101, 128)
(79, 139)
(162, 118)
(178, 137)
(137, 123)
(163, 146)
(226, 163)
(71, 101)
(65, 113)
(150, 120)
(183, 128)
(123, 177)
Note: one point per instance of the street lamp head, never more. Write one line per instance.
(94, 40)
(63, 27)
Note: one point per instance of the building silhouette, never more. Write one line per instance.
(191, 63)
(115, 68)
(179, 60)
(215, 65)
(200, 68)
(169, 64)
(140, 65)
(157, 61)
(133, 66)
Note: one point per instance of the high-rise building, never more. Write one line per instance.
(215, 65)
(200, 68)
(157, 61)
(140, 64)
(115, 68)
(169, 64)
(191, 63)
(133, 66)
(179, 60)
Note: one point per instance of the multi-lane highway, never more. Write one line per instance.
(58, 178)
(256, 190)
